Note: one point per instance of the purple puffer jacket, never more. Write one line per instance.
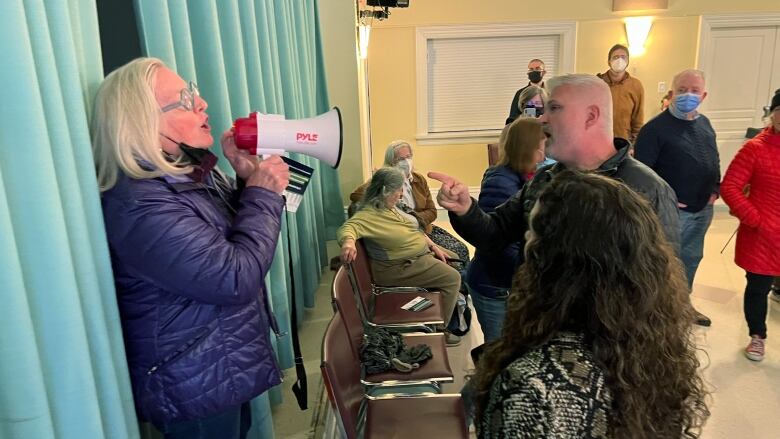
(190, 285)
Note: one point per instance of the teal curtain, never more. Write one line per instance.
(63, 372)
(255, 55)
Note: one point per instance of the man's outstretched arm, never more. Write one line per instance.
(489, 232)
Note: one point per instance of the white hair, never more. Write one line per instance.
(686, 72)
(599, 91)
(384, 182)
(125, 126)
(393, 148)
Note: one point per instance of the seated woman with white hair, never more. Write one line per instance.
(401, 254)
(416, 199)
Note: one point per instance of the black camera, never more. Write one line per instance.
(389, 3)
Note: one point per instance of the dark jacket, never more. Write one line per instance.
(190, 286)
(685, 154)
(509, 222)
(514, 110)
(490, 273)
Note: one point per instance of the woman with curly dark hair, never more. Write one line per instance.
(597, 339)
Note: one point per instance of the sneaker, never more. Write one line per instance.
(755, 350)
(701, 319)
(451, 339)
(774, 294)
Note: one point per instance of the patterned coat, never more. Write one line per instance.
(757, 164)
(553, 391)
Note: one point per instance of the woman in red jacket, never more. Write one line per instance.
(758, 241)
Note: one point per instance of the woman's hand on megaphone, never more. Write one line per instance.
(271, 173)
(242, 162)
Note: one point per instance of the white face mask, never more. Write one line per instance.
(619, 65)
(406, 166)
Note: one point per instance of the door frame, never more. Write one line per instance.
(721, 21)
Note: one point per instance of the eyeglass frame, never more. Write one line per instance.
(186, 98)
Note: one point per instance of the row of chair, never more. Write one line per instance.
(381, 306)
(396, 412)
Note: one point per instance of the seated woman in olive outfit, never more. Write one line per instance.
(416, 199)
(489, 275)
(401, 254)
(598, 327)
(189, 251)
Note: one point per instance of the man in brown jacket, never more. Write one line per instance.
(628, 95)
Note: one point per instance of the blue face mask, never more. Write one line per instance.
(687, 102)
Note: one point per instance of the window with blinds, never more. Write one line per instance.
(471, 74)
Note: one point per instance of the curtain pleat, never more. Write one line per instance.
(258, 55)
(63, 372)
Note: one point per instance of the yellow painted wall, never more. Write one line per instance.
(671, 47)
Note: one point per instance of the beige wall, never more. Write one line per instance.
(671, 47)
(337, 19)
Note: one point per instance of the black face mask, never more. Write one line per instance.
(201, 158)
(535, 76)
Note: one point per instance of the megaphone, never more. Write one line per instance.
(319, 137)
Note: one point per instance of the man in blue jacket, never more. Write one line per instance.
(189, 251)
(679, 145)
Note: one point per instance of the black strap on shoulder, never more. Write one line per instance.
(300, 387)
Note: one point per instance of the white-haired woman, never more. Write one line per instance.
(416, 198)
(189, 251)
(401, 254)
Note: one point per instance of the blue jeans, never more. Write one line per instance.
(233, 423)
(490, 313)
(693, 227)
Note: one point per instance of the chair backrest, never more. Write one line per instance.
(361, 269)
(493, 153)
(341, 375)
(348, 307)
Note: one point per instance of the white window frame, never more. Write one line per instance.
(567, 30)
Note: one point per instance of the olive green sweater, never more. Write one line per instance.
(388, 235)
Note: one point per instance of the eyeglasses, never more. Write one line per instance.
(186, 99)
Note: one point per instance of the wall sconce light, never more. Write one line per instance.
(364, 31)
(637, 30)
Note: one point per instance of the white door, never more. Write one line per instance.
(741, 66)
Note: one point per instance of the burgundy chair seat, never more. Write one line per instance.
(437, 368)
(387, 309)
(440, 416)
(493, 153)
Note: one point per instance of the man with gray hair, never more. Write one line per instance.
(679, 145)
(579, 118)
